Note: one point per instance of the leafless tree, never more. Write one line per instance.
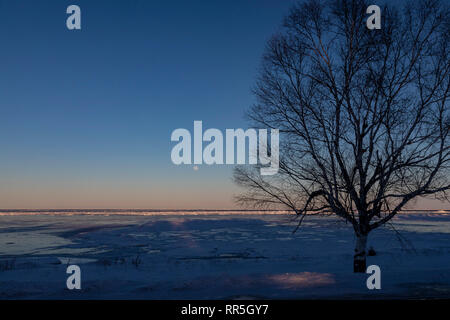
(363, 114)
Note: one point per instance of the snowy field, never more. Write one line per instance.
(218, 256)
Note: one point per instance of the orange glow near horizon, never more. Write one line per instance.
(214, 193)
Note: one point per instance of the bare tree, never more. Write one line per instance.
(363, 114)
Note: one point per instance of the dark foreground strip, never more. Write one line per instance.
(224, 309)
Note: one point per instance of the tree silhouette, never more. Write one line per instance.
(363, 114)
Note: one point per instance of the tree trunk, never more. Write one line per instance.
(359, 260)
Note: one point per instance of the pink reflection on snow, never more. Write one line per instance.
(301, 279)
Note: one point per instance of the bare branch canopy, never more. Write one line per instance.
(363, 114)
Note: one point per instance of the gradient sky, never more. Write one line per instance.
(86, 116)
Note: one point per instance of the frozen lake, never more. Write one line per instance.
(217, 256)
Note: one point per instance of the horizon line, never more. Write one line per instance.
(170, 210)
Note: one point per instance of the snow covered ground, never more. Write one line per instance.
(218, 256)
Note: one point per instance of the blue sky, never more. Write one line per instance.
(86, 116)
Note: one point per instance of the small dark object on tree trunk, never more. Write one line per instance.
(371, 252)
(359, 264)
